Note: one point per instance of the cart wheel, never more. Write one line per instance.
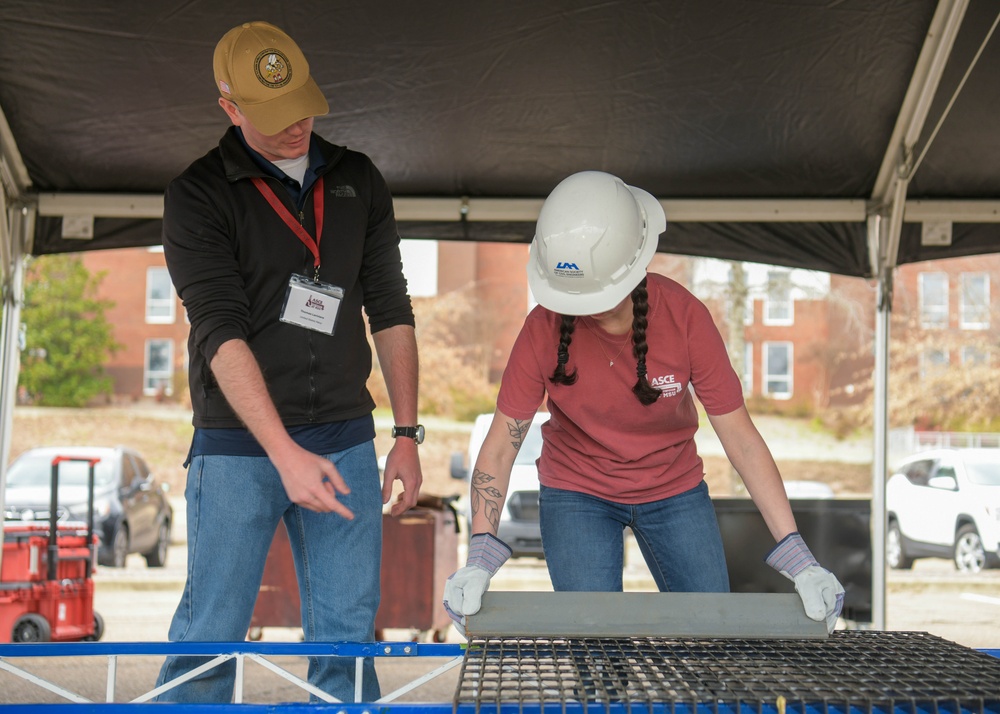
(255, 633)
(98, 628)
(31, 628)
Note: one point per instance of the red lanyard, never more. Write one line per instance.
(286, 215)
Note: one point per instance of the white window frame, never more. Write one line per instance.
(776, 305)
(157, 304)
(164, 378)
(933, 315)
(767, 377)
(972, 316)
(748, 368)
(974, 357)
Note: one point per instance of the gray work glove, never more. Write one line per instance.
(463, 593)
(822, 594)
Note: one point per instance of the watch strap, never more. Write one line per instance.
(412, 432)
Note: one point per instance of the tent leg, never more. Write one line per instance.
(20, 221)
(881, 446)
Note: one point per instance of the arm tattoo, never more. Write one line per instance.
(517, 429)
(486, 496)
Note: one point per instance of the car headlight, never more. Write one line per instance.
(102, 507)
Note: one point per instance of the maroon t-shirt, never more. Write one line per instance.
(600, 439)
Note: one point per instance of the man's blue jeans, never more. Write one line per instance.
(234, 504)
(583, 539)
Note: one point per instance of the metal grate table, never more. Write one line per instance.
(852, 671)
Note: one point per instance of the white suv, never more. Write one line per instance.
(945, 503)
(519, 526)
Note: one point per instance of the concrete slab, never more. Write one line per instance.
(588, 614)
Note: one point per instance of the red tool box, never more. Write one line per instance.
(46, 583)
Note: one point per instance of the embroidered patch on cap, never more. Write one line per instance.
(225, 87)
(273, 69)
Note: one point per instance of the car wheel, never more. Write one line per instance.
(894, 554)
(970, 557)
(31, 628)
(119, 547)
(157, 557)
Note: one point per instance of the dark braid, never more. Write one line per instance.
(646, 393)
(566, 328)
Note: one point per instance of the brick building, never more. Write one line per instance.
(148, 321)
(806, 336)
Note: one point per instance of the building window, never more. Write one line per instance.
(932, 362)
(933, 300)
(974, 357)
(159, 297)
(778, 306)
(158, 371)
(777, 367)
(974, 308)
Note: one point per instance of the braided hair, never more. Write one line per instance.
(566, 328)
(643, 390)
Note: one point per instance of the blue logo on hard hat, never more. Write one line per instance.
(567, 266)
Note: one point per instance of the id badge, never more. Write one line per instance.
(311, 304)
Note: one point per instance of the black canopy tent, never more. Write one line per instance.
(845, 136)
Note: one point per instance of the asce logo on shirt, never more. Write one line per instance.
(668, 385)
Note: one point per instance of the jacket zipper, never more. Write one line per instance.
(312, 353)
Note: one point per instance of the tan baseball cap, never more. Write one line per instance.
(264, 72)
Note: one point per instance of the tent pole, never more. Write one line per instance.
(888, 234)
(19, 223)
(880, 433)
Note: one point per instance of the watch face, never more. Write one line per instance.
(419, 438)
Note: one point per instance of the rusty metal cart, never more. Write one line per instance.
(419, 552)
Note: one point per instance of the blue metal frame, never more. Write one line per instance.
(302, 649)
(394, 649)
(511, 708)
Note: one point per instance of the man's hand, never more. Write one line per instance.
(312, 481)
(402, 464)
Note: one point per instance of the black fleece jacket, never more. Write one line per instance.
(230, 257)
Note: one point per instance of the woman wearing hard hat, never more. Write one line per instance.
(620, 355)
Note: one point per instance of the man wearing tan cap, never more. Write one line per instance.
(278, 242)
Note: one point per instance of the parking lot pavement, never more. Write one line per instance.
(137, 602)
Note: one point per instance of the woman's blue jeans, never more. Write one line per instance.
(583, 539)
(234, 504)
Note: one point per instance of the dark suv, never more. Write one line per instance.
(131, 510)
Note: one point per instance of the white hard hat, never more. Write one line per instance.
(594, 239)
